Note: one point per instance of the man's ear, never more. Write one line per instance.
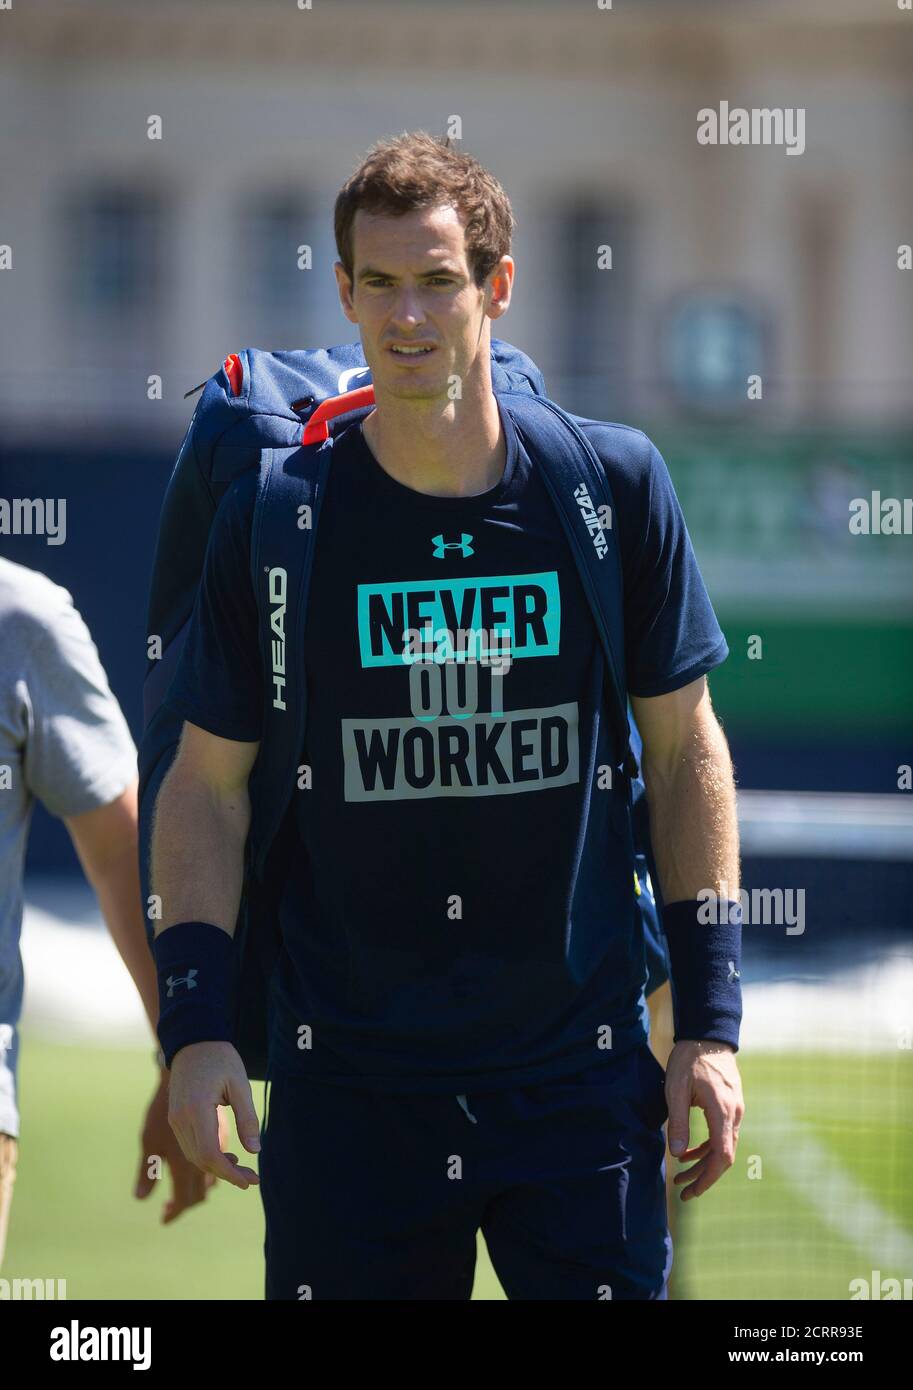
(344, 284)
(499, 287)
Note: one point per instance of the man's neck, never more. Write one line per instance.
(441, 448)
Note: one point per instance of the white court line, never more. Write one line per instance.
(840, 1202)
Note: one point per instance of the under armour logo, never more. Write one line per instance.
(733, 973)
(187, 980)
(462, 545)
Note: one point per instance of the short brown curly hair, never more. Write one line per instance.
(416, 170)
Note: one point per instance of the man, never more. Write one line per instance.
(457, 952)
(64, 740)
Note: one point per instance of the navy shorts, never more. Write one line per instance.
(375, 1196)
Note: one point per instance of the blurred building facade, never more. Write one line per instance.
(133, 258)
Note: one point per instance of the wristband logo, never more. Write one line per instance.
(189, 980)
(278, 592)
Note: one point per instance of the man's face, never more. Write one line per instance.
(413, 288)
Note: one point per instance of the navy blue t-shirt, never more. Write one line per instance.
(460, 914)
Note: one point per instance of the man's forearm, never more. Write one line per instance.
(105, 840)
(118, 892)
(693, 819)
(198, 843)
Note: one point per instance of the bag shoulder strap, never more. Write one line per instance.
(291, 486)
(579, 487)
(290, 489)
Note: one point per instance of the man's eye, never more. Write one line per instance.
(379, 283)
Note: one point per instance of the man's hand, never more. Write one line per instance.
(188, 1185)
(203, 1077)
(704, 1074)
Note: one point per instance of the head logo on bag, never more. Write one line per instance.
(278, 594)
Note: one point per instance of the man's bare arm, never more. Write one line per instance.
(688, 774)
(105, 839)
(200, 826)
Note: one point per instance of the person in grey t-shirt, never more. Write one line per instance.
(64, 740)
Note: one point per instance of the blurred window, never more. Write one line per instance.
(114, 235)
(596, 302)
(272, 228)
(710, 343)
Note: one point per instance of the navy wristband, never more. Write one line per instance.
(197, 966)
(705, 960)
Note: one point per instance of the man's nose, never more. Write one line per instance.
(408, 308)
